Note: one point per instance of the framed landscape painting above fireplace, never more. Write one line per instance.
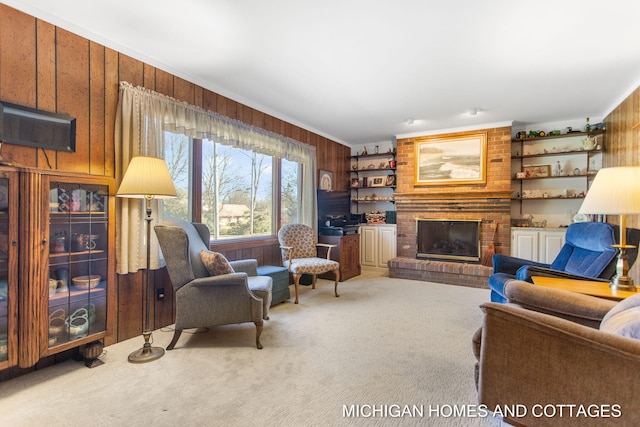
(451, 161)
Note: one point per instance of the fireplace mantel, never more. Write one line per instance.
(450, 195)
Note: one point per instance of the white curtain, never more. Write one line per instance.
(142, 118)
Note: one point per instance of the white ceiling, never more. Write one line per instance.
(356, 70)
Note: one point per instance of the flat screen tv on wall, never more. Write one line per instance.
(36, 128)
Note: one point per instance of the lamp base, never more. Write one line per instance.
(624, 283)
(146, 353)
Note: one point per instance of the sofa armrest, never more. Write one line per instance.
(249, 266)
(530, 359)
(510, 265)
(527, 271)
(583, 309)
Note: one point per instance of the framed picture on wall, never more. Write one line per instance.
(451, 161)
(325, 180)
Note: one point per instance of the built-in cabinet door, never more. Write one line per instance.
(550, 244)
(524, 244)
(536, 244)
(387, 244)
(78, 261)
(369, 246)
(8, 269)
(377, 244)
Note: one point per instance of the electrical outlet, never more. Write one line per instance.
(160, 294)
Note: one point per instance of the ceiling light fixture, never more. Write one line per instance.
(409, 121)
(474, 111)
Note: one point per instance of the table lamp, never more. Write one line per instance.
(616, 191)
(147, 178)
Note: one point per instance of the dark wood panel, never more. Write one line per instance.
(97, 141)
(130, 297)
(110, 108)
(149, 76)
(18, 81)
(164, 83)
(130, 70)
(46, 83)
(183, 90)
(72, 82)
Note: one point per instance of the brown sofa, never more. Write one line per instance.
(542, 361)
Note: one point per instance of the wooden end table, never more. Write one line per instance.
(587, 287)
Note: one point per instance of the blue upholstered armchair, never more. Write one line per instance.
(586, 255)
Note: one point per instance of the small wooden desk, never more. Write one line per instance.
(596, 289)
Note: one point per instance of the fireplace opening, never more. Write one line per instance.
(448, 239)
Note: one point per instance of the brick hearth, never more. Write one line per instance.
(452, 273)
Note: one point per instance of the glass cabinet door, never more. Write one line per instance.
(78, 260)
(4, 270)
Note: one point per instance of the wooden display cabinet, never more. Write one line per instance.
(8, 268)
(60, 228)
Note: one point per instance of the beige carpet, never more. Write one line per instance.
(384, 342)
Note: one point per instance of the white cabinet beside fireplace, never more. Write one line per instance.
(377, 244)
(537, 244)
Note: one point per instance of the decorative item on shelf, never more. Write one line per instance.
(554, 132)
(590, 142)
(354, 167)
(616, 191)
(383, 165)
(147, 178)
(355, 183)
(364, 151)
(62, 274)
(391, 181)
(53, 287)
(4, 347)
(392, 164)
(59, 242)
(86, 282)
(576, 171)
(558, 169)
(78, 324)
(57, 323)
(587, 126)
(536, 171)
(375, 217)
(522, 222)
(377, 181)
(377, 149)
(77, 242)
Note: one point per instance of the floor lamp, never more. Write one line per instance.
(616, 191)
(147, 178)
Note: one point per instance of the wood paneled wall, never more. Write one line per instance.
(623, 149)
(46, 67)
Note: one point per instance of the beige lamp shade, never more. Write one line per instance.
(614, 191)
(147, 177)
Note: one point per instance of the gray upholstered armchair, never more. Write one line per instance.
(554, 347)
(202, 299)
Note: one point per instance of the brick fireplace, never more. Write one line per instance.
(490, 203)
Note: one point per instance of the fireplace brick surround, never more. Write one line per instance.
(488, 202)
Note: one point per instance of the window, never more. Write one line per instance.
(235, 192)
